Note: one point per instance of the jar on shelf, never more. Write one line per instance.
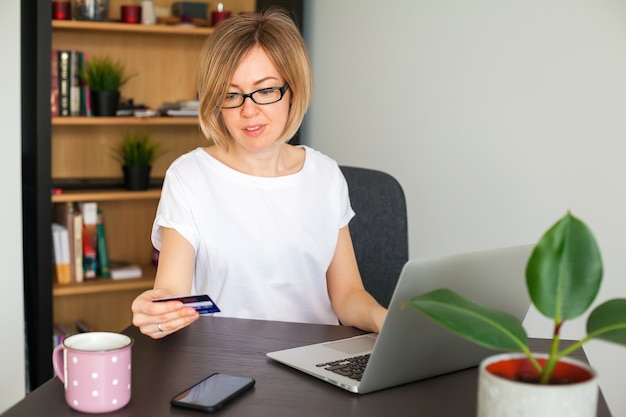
(90, 9)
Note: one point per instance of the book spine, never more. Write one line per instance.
(54, 83)
(86, 89)
(79, 272)
(64, 83)
(61, 252)
(82, 85)
(103, 254)
(75, 83)
(64, 215)
(60, 333)
(90, 239)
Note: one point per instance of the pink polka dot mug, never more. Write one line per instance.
(95, 369)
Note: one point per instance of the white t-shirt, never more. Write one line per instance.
(263, 245)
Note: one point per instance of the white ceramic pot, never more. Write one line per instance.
(502, 397)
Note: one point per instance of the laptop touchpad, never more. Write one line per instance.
(353, 346)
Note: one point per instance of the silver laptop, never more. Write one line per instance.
(411, 346)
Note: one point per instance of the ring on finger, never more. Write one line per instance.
(159, 327)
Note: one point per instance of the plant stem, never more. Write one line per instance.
(532, 359)
(554, 356)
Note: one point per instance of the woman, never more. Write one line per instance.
(258, 224)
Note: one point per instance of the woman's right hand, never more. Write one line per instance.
(157, 320)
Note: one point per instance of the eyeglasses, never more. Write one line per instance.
(263, 96)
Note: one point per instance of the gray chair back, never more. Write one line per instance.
(379, 230)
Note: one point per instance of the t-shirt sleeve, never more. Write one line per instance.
(174, 211)
(346, 212)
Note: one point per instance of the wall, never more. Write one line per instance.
(497, 117)
(12, 377)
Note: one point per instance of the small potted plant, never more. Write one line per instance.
(563, 276)
(105, 77)
(136, 153)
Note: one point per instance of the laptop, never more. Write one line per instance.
(410, 346)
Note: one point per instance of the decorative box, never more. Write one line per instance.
(198, 10)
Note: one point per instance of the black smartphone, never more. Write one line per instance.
(213, 392)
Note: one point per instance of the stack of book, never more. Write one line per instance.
(80, 249)
(69, 95)
(181, 108)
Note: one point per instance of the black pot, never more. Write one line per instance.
(104, 103)
(136, 178)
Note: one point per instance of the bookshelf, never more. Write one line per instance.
(163, 60)
(75, 147)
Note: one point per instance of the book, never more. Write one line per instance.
(61, 253)
(85, 92)
(75, 93)
(62, 215)
(54, 83)
(67, 215)
(64, 82)
(61, 331)
(90, 239)
(103, 254)
(77, 248)
(124, 270)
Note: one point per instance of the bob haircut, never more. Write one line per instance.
(275, 32)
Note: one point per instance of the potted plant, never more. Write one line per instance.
(105, 77)
(563, 276)
(136, 153)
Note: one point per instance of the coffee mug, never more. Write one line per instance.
(95, 369)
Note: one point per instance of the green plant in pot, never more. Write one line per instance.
(136, 153)
(105, 77)
(563, 277)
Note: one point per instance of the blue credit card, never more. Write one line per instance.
(201, 302)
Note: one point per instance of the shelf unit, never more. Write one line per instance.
(160, 56)
(63, 148)
(162, 59)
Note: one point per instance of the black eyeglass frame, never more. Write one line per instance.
(282, 91)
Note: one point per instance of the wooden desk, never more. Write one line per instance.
(162, 368)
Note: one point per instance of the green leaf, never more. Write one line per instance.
(564, 271)
(479, 324)
(137, 149)
(608, 321)
(104, 74)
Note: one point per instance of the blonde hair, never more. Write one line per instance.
(275, 32)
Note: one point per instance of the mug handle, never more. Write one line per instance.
(57, 362)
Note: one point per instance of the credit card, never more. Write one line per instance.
(201, 302)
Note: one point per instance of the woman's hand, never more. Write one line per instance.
(157, 320)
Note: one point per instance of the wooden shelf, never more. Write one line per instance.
(79, 25)
(163, 60)
(105, 195)
(124, 121)
(105, 285)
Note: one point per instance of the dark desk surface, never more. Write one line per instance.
(162, 368)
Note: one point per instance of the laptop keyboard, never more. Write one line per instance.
(351, 367)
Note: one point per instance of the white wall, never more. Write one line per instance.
(496, 116)
(12, 376)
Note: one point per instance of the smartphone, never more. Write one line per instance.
(213, 392)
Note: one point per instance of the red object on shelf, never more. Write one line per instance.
(131, 14)
(219, 17)
(61, 10)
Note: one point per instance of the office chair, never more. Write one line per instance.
(379, 230)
